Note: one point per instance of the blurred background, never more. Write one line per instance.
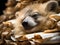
(2, 6)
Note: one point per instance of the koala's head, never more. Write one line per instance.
(37, 14)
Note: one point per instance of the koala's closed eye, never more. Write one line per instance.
(35, 15)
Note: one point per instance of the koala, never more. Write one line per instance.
(35, 18)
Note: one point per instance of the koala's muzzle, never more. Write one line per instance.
(29, 22)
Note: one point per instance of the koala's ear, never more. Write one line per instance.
(51, 6)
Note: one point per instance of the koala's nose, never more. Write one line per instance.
(25, 24)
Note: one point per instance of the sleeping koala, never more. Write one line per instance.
(35, 18)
